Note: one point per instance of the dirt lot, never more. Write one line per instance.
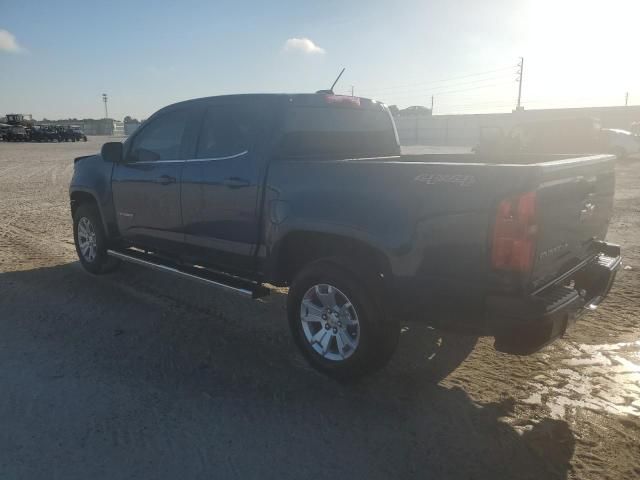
(138, 375)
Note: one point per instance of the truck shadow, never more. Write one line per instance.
(191, 375)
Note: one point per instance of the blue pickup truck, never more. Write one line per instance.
(312, 192)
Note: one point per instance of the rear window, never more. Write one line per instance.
(338, 132)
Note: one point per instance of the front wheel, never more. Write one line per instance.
(338, 321)
(91, 241)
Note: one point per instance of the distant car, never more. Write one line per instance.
(17, 133)
(568, 135)
(42, 133)
(71, 133)
(621, 143)
(4, 129)
(415, 110)
(77, 134)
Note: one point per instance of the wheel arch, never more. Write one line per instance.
(300, 247)
(79, 197)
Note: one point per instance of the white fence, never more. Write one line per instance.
(466, 130)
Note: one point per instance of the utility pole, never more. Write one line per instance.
(520, 75)
(106, 111)
(352, 90)
(626, 100)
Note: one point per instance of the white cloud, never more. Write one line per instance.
(303, 45)
(8, 42)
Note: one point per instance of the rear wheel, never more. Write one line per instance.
(91, 241)
(338, 322)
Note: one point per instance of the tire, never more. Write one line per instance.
(93, 255)
(368, 337)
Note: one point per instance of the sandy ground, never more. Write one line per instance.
(140, 375)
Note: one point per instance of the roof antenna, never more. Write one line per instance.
(330, 91)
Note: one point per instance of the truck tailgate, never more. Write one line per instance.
(574, 205)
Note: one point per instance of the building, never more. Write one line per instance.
(117, 129)
(103, 126)
(130, 127)
(466, 130)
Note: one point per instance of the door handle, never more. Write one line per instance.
(165, 180)
(236, 182)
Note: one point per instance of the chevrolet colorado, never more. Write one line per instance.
(311, 191)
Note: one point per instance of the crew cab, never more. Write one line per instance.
(312, 192)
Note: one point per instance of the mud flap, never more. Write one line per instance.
(531, 338)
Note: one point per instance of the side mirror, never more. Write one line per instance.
(112, 152)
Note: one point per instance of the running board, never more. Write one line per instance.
(203, 275)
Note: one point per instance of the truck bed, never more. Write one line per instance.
(437, 154)
(433, 214)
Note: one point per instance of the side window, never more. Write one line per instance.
(226, 130)
(161, 139)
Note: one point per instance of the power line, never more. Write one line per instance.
(438, 88)
(106, 111)
(520, 75)
(446, 92)
(497, 103)
(428, 82)
(549, 103)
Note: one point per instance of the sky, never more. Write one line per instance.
(57, 58)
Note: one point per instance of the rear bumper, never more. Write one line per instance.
(523, 326)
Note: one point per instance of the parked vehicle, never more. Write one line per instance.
(311, 191)
(43, 133)
(19, 119)
(570, 135)
(17, 133)
(621, 143)
(415, 110)
(19, 128)
(77, 134)
(4, 129)
(64, 133)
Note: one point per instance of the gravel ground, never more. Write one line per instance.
(140, 375)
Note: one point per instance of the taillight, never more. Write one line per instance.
(344, 99)
(514, 234)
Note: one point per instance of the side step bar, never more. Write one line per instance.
(203, 275)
